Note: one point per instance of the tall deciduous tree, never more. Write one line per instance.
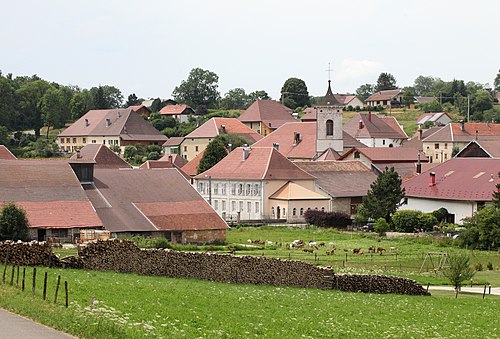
(132, 100)
(259, 95)
(53, 108)
(294, 93)
(385, 81)
(199, 89)
(459, 270)
(80, 104)
(385, 195)
(8, 104)
(408, 96)
(215, 152)
(105, 97)
(235, 99)
(13, 223)
(425, 85)
(31, 100)
(364, 91)
(496, 82)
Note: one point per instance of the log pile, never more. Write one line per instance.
(31, 253)
(125, 256)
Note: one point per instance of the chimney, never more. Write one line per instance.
(420, 132)
(246, 153)
(86, 122)
(78, 155)
(118, 114)
(462, 125)
(170, 158)
(360, 124)
(276, 146)
(419, 164)
(370, 116)
(432, 179)
(476, 134)
(296, 138)
(223, 129)
(108, 122)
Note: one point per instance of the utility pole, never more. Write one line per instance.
(468, 108)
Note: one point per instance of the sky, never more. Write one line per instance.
(148, 47)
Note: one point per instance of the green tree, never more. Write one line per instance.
(385, 81)
(215, 152)
(259, 95)
(385, 195)
(294, 93)
(381, 226)
(4, 135)
(9, 114)
(106, 97)
(53, 108)
(365, 91)
(132, 100)
(235, 99)
(496, 195)
(199, 89)
(408, 97)
(231, 140)
(406, 220)
(31, 101)
(496, 82)
(481, 101)
(460, 269)
(156, 106)
(425, 85)
(13, 223)
(433, 106)
(80, 104)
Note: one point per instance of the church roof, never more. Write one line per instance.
(329, 99)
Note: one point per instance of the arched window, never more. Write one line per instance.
(301, 211)
(329, 127)
(272, 211)
(294, 211)
(322, 209)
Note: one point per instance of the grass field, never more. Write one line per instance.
(131, 306)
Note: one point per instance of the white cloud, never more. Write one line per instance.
(358, 71)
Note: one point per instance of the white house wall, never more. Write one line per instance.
(460, 209)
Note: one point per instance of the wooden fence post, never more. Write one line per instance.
(34, 281)
(4, 271)
(57, 288)
(17, 277)
(24, 276)
(66, 290)
(12, 276)
(45, 286)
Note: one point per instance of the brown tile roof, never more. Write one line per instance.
(466, 179)
(328, 154)
(329, 99)
(49, 191)
(177, 159)
(191, 168)
(176, 110)
(406, 170)
(5, 154)
(138, 107)
(417, 142)
(150, 200)
(263, 163)
(102, 156)
(293, 191)
(173, 141)
(158, 164)
(384, 95)
(306, 149)
(270, 112)
(213, 128)
(490, 147)
(453, 133)
(374, 126)
(125, 123)
(340, 178)
(344, 99)
(387, 154)
(310, 114)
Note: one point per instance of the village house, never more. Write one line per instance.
(264, 116)
(50, 193)
(438, 119)
(380, 157)
(345, 182)
(180, 113)
(113, 127)
(141, 109)
(259, 183)
(480, 149)
(461, 185)
(196, 141)
(456, 135)
(172, 145)
(175, 159)
(375, 130)
(191, 168)
(388, 98)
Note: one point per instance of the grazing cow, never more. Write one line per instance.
(356, 250)
(269, 243)
(321, 244)
(371, 249)
(231, 250)
(308, 250)
(330, 252)
(393, 249)
(380, 250)
(312, 244)
(331, 244)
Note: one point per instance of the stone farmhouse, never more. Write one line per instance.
(461, 185)
(113, 127)
(265, 116)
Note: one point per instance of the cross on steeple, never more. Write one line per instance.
(329, 70)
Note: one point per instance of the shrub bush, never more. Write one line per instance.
(426, 221)
(406, 220)
(327, 219)
(381, 226)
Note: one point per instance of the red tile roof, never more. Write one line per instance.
(416, 141)
(102, 156)
(173, 141)
(125, 123)
(387, 154)
(5, 154)
(191, 168)
(176, 110)
(310, 114)
(149, 200)
(466, 179)
(158, 164)
(328, 154)
(453, 133)
(213, 128)
(49, 191)
(270, 112)
(340, 178)
(263, 163)
(406, 170)
(384, 95)
(306, 149)
(374, 126)
(139, 107)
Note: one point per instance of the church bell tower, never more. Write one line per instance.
(329, 123)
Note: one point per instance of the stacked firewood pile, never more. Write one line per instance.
(371, 283)
(125, 256)
(31, 253)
